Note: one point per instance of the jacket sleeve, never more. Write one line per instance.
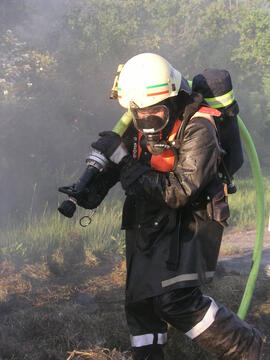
(105, 180)
(99, 187)
(196, 167)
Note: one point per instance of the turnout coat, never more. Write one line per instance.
(173, 221)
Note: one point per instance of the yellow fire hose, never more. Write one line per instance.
(120, 129)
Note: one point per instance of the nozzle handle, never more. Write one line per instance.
(123, 123)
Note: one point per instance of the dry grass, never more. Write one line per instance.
(71, 305)
(99, 354)
(44, 312)
(229, 250)
(44, 315)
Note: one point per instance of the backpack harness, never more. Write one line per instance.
(166, 161)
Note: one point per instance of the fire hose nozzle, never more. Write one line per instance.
(96, 162)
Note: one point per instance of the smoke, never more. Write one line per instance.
(58, 61)
(42, 23)
(51, 111)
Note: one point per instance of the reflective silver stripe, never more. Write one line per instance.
(162, 339)
(206, 322)
(141, 340)
(119, 153)
(185, 277)
(147, 339)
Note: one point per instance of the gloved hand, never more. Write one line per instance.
(81, 198)
(93, 197)
(71, 191)
(89, 198)
(111, 146)
(68, 207)
(137, 178)
(130, 171)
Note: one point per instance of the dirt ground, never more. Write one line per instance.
(65, 309)
(243, 240)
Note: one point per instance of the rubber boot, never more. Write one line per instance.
(230, 338)
(152, 352)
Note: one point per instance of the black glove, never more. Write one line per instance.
(93, 197)
(89, 198)
(71, 191)
(111, 146)
(137, 178)
(130, 171)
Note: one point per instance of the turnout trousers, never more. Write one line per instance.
(212, 326)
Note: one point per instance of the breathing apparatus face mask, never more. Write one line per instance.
(151, 121)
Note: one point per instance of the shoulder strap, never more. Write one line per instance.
(210, 111)
(207, 113)
(202, 111)
(205, 116)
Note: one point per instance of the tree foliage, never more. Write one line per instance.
(57, 85)
(21, 69)
(253, 28)
(193, 35)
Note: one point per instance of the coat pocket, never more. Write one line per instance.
(149, 234)
(218, 208)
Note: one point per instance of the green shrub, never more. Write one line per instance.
(243, 203)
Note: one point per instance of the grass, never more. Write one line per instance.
(48, 310)
(229, 250)
(227, 290)
(33, 238)
(99, 354)
(56, 317)
(242, 204)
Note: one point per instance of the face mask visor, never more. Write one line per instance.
(150, 120)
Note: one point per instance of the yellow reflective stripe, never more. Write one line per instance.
(220, 101)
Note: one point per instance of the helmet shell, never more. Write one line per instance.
(146, 79)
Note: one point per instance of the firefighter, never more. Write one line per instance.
(174, 213)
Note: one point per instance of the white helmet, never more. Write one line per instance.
(146, 79)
